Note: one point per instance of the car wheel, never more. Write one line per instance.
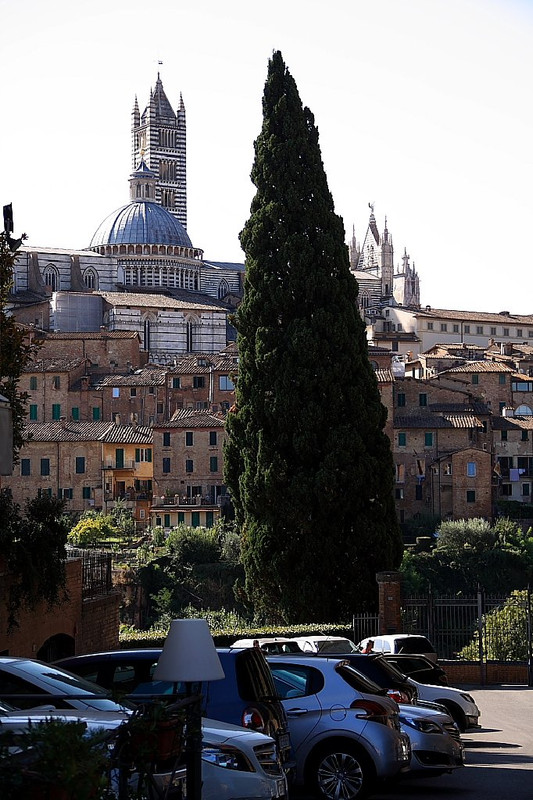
(456, 713)
(340, 772)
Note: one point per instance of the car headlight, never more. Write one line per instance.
(226, 757)
(423, 725)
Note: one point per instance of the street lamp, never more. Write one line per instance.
(189, 656)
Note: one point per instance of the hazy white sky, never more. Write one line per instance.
(423, 107)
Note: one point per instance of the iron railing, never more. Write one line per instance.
(96, 571)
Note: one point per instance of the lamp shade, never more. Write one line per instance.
(189, 654)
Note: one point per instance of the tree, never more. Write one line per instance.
(15, 351)
(33, 545)
(307, 462)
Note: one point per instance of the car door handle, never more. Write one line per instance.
(296, 712)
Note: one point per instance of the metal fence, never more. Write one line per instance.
(364, 625)
(452, 623)
(96, 571)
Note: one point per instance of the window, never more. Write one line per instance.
(521, 386)
(143, 454)
(430, 326)
(523, 411)
(502, 379)
(456, 328)
(418, 492)
(66, 494)
(96, 413)
(475, 378)
(195, 519)
(198, 382)
(189, 465)
(25, 466)
(519, 332)
(33, 383)
(506, 331)
(493, 331)
(400, 399)
(80, 465)
(189, 438)
(176, 383)
(428, 439)
(225, 383)
(400, 473)
(181, 516)
(45, 466)
(159, 408)
(394, 345)
(503, 436)
(471, 496)
(56, 382)
(471, 469)
(151, 390)
(116, 391)
(399, 494)
(56, 411)
(33, 413)
(448, 470)
(166, 523)
(530, 334)
(479, 329)
(526, 489)
(525, 435)
(402, 439)
(209, 519)
(507, 489)
(467, 328)
(443, 327)
(133, 391)
(212, 438)
(166, 439)
(119, 457)
(213, 464)
(422, 399)
(166, 466)
(76, 414)
(86, 492)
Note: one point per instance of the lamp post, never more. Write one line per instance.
(189, 656)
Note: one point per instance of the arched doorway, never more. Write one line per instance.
(59, 646)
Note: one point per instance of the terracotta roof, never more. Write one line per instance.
(459, 408)
(190, 418)
(93, 335)
(141, 377)
(438, 421)
(473, 316)
(510, 423)
(384, 375)
(54, 364)
(128, 434)
(480, 366)
(65, 431)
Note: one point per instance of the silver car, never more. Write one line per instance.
(436, 745)
(343, 739)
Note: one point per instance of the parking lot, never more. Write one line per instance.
(499, 756)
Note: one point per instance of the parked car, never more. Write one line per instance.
(460, 705)
(246, 696)
(236, 762)
(325, 645)
(272, 644)
(418, 667)
(399, 643)
(436, 745)
(343, 740)
(26, 682)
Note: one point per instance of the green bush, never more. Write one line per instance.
(505, 633)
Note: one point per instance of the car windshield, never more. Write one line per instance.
(414, 644)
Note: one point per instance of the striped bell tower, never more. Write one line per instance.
(159, 138)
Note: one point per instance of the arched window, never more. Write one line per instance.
(90, 279)
(523, 411)
(193, 328)
(223, 289)
(147, 333)
(364, 300)
(51, 278)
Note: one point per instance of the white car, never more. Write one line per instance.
(325, 645)
(460, 705)
(398, 643)
(236, 762)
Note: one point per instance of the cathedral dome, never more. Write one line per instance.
(140, 223)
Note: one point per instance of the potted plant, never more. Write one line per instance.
(154, 734)
(55, 760)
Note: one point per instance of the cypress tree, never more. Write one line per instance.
(307, 462)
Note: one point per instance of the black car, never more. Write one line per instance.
(381, 672)
(418, 667)
(246, 696)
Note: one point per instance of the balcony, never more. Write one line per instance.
(177, 501)
(127, 464)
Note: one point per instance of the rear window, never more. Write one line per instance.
(336, 646)
(414, 644)
(254, 679)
